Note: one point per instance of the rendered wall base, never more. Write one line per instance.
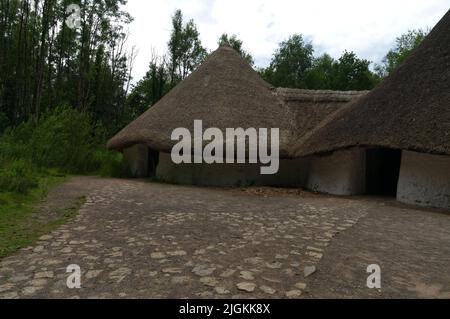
(424, 180)
(341, 173)
(292, 173)
(136, 160)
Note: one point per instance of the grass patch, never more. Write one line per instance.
(21, 223)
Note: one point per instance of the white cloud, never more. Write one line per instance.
(368, 28)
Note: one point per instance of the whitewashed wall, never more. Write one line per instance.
(424, 180)
(340, 173)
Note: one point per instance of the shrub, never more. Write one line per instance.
(110, 164)
(18, 176)
(64, 139)
(15, 142)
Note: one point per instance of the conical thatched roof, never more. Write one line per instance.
(224, 92)
(410, 109)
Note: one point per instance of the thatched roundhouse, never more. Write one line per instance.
(225, 92)
(397, 137)
(392, 141)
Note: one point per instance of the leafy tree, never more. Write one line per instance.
(185, 48)
(150, 89)
(294, 66)
(322, 73)
(185, 53)
(291, 63)
(404, 47)
(46, 63)
(352, 73)
(236, 44)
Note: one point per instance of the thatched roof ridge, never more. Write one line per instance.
(409, 110)
(318, 95)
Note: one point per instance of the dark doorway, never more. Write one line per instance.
(383, 171)
(153, 161)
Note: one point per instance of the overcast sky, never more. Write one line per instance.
(367, 27)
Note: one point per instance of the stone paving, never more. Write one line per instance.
(134, 239)
(410, 244)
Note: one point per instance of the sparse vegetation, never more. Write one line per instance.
(21, 223)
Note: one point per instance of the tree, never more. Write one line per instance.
(185, 48)
(237, 45)
(45, 63)
(352, 73)
(150, 89)
(404, 47)
(290, 63)
(325, 73)
(321, 74)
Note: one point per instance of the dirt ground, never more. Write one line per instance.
(135, 239)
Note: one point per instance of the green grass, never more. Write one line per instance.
(20, 223)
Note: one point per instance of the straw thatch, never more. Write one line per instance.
(309, 108)
(410, 110)
(225, 92)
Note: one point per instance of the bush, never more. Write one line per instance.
(110, 164)
(18, 176)
(15, 142)
(64, 139)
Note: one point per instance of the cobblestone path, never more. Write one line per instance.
(134, 239)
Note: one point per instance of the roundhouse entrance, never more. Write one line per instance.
(382, 171)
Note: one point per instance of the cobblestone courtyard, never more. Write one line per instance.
(134, 239)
